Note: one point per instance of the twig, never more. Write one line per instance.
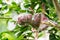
(43, 8)
(31, 10)
(36, 33)
(5, 18)
(51, 23)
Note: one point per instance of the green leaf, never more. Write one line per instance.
(21, 37)
(7, 36)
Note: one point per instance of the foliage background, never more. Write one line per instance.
(9, 11)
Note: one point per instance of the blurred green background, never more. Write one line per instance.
(9, 11)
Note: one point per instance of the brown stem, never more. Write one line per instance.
(36, 35)
(43, 8)
(31, 10)
(50, 23)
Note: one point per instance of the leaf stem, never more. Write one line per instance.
(5, 18)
